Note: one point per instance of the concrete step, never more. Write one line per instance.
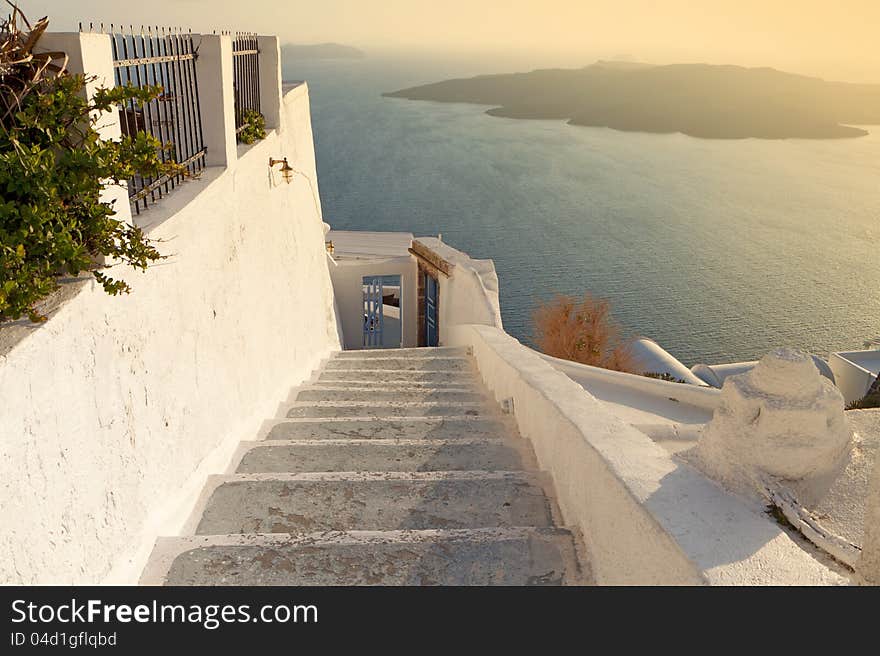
(512, 556)
(381, 395)
(354, 455)
(409, 353)
(304, 503)
(368, 384)
(386, 377)
(436, 428)
(401, 364)
(380, 409)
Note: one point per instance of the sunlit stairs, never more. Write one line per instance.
(393, 467)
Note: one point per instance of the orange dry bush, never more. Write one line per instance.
(582, 331)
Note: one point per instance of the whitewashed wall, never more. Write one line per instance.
(470, 294)
(114, 410)
(348, 279)
(645, 518)
(851, 375)
(868, 568)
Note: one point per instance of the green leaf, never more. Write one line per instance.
(53, 168)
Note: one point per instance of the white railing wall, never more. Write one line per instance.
(116, 409)
(644, 516)
(92, 54)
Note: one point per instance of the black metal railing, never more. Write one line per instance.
(165, 57)
(246, 76)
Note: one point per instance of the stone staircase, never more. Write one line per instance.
(393, 467)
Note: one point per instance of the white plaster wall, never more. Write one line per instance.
(645, 518)
(348, 278)
(214, 72)
(470, 294)
(114, 409)
(851, 377)
(867, 571)
(650, 357)
(702, 397)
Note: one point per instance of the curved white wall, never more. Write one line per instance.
(348, 277)
(868, 567)
(470, 294)
(702, 396)
(854, 372)
(114, 409)
(644, 517)
(651, 358)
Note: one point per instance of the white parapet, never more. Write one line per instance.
(217, 98)
(868, 567)
(270, 80)
(855, 372)
(645, 518)
(470, 294)
(781, 419)
(715, 375)
(651, 358)
(115, 410)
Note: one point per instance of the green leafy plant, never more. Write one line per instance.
(53, 170)
(253, 127)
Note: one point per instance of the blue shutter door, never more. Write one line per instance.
(431, 290)
(373, 312)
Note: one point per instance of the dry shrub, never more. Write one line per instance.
(22, 69)
(582, 331)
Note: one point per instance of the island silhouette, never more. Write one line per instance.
(699, 100)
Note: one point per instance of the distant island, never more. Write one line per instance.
(700, 100)
(321, 51)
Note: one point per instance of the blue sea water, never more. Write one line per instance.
(719, 250)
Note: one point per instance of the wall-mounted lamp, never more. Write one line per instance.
(286, 169)
(330, 247)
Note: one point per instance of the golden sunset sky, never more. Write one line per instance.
(831, 39)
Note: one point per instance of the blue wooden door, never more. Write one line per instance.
(431, 290)
(373, 312)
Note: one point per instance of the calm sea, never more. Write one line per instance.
(719, 250)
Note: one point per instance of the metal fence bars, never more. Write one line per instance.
(246, 76)
(164, 57)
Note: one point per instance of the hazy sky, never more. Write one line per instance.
(832, 39)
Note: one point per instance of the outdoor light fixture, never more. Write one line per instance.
(286, 169)
(330, 247)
